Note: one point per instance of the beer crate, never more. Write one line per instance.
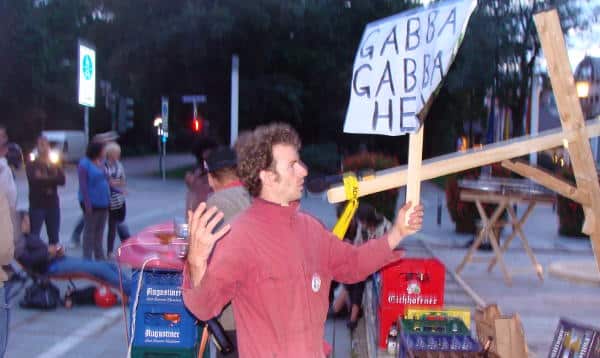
(158, 287)
(161, 326)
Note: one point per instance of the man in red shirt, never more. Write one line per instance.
(274, 262)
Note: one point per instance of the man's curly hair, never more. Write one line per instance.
(255, 152)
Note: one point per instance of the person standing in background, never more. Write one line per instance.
(117, 208)
(104, 137)
(94, 198)
(231, 198)
(8, 200)
(44, 176)
(197, 181)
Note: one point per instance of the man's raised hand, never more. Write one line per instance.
(202, 239)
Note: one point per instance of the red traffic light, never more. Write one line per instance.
(197, 125)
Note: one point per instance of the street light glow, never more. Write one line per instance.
(583, 89)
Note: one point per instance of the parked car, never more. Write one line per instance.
(67, 145)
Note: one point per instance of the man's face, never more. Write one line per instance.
(288, 182)
(43, 146)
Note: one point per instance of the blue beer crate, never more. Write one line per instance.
(158, 287)
(164, 326)
(145, 352)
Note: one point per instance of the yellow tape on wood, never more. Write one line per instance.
(351, 189)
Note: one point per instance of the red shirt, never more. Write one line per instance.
(275, 266)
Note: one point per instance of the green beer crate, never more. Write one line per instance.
(443, 326)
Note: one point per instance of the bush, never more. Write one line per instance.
(384, 202)
(321, 158)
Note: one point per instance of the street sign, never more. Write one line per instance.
(165, 114)
(194, 98)
(87, 75)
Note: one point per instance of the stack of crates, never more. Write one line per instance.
(432, 338)
(161, 326)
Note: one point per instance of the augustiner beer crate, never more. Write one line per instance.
(408, 282)
(158, 287)
(146, 352)
(164, 327)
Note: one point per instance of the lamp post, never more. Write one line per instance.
(583, 92)
(158, 124)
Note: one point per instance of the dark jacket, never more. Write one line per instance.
(34, 255)
(43, 179)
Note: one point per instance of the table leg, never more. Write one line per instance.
(494, 240)
(472, 249)
(506, 243)
(536, 265)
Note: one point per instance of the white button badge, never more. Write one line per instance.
(316, 282)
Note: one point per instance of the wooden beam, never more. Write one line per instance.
(457, 162)
(549, 181)
(571, 117)
(415, 157)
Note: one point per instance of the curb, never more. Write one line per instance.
(576, 271)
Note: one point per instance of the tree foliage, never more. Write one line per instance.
(296, 59)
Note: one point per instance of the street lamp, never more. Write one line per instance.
(583, 89)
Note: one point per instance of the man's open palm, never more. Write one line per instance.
(202, 239)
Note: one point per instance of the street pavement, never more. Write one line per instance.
(89, 331)
(539, 304)
(93, 332)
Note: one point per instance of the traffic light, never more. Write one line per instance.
(125, 114)
(197, 124)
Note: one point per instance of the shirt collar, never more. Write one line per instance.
(233, 184)
(275, 209)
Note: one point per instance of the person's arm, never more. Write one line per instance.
(350, 264)
(7, 246)
(83, 186)
(50, 176)
(209, 283)
(60, 178)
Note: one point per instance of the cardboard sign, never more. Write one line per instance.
(400, 63)
(575, 340)
(501, 334)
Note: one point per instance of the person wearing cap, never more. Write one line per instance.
(273, 262)
(232, 198)
(196, 181)
(229, 195)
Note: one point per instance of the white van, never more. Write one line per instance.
(70, 145)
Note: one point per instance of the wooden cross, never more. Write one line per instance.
(575, 132)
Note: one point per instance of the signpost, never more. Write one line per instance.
(87, 81)
(163, 134)
(164, 106)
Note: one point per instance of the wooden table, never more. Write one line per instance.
(504, 193)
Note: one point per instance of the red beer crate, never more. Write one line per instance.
(408, 282)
